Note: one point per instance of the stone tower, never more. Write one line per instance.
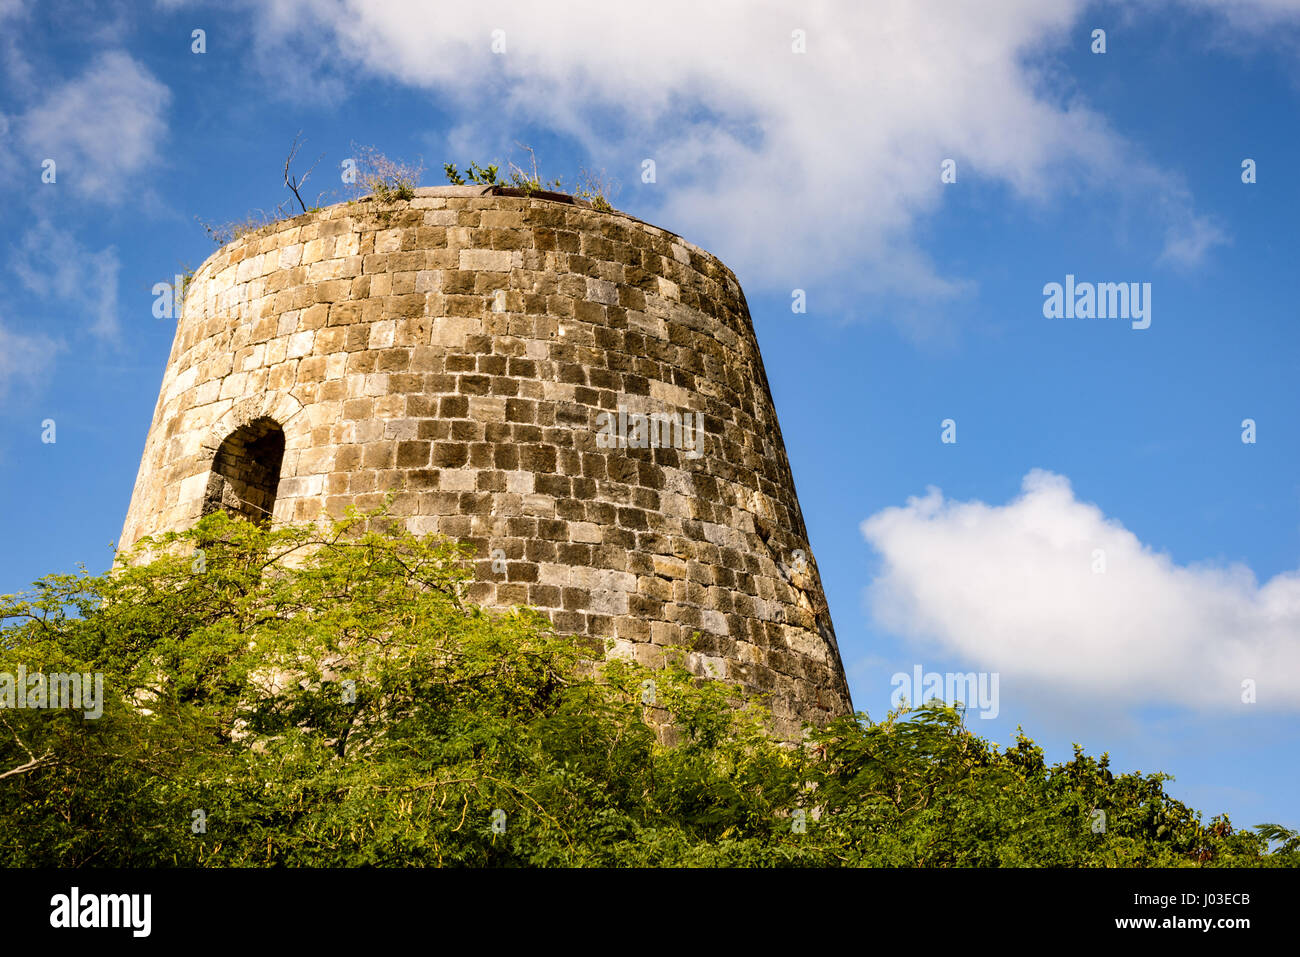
(576, 393)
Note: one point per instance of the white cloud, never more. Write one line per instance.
(794, 168)
(101, 128)
(1011, 588)
(51, 263)
(1188, 240)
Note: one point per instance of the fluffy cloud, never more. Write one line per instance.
(792, 167)
(1012, 588)
(101, 128)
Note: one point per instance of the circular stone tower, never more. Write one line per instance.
(576, 393)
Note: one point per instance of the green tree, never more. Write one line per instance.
(328, 697)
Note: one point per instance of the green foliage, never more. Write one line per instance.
(1287, 838)
(327, 697)
(595, 188)
(386, 179)
(186, 274)
(476, 174)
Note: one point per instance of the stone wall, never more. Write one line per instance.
(458, 350)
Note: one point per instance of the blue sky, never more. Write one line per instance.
(817, 171)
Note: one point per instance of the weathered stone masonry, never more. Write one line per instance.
(456, 350)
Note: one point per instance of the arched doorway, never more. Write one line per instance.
(246, 472)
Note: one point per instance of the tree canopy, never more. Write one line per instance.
(327, 696)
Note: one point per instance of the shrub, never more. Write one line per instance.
(594, 188)
(388, 180)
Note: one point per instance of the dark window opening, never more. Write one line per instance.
(246, 472)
